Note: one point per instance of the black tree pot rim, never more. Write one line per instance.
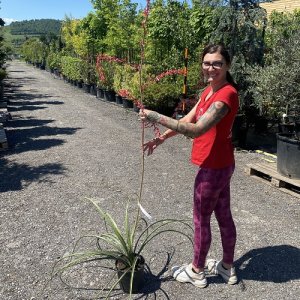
(288, 137)
(140, 263)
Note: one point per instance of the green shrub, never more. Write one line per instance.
(157, 95)
(3, 74)
(87, 72)
(123, 75)
(71, 67)
(276, 86)
(53, 61)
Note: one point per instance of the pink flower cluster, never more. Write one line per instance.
(108, 58)
(104, 57)
(170, 72)
(126, 94)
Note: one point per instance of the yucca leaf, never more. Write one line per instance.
(128, 229)
(111, 223)
(114, 242)
(158, 225)
(149, 238)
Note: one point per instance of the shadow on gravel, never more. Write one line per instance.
(16, 71)
(14, 102)
(26, 139)
(32, 103)
(15, 176)
(276, 264)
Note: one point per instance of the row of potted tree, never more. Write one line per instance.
(260, 47)
(263, 49)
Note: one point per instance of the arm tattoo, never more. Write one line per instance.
(210, 118)
(153, 116)
(163, 120)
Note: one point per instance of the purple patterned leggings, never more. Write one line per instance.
(212, 194)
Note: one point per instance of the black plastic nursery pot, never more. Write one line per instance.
(239, 131)
(288, 155)
(286, 128)
(138, 277)
(127, 103)
(93, 90)
(109, 96)
(119, 100)
(100, 93)
(297, 130)
(86, 87)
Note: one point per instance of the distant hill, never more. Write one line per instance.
(16, 33)
(35, 27)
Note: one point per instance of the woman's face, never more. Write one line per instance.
(214, 68)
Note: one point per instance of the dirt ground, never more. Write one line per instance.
(65, 145)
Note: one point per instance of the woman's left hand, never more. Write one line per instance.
(143, 114)
(150, 146)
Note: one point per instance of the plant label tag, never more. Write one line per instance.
(143, 210)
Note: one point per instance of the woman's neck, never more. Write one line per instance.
(215, 87)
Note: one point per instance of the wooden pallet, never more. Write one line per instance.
(268, 174)
(3, 140)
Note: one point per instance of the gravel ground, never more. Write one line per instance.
(66, 145)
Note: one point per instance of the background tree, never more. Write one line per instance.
(168, 33)
(276, 84)
(240, 25)
(121, 27)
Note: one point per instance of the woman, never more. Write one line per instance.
(209, 123)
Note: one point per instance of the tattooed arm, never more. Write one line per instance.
(210, 118)
(150, 146)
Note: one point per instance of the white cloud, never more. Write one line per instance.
(8, 20)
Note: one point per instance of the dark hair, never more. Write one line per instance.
(220, 48)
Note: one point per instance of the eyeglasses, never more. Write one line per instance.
(216, 65)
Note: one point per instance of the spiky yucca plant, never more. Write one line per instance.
(118, 244)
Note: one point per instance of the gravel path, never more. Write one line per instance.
(66, 145)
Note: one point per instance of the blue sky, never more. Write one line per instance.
(18, 10)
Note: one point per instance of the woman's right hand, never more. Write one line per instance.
(153, 144)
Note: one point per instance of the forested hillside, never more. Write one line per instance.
(18, 32)
(35, 27)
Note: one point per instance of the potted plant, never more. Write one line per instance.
(123, 83)
(277, 93)
(124, 246)
(118, 82)
(105, 67)
(88, 75)
(161, 92)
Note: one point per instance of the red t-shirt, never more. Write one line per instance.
(214, 148)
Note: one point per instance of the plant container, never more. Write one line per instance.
(109, 96)
(93, 90)
(86, 87)
(297, 130)
(100, 93)
(119, 100)
(127, 103)
(288, 155)
(286, 128)
(138, 277)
